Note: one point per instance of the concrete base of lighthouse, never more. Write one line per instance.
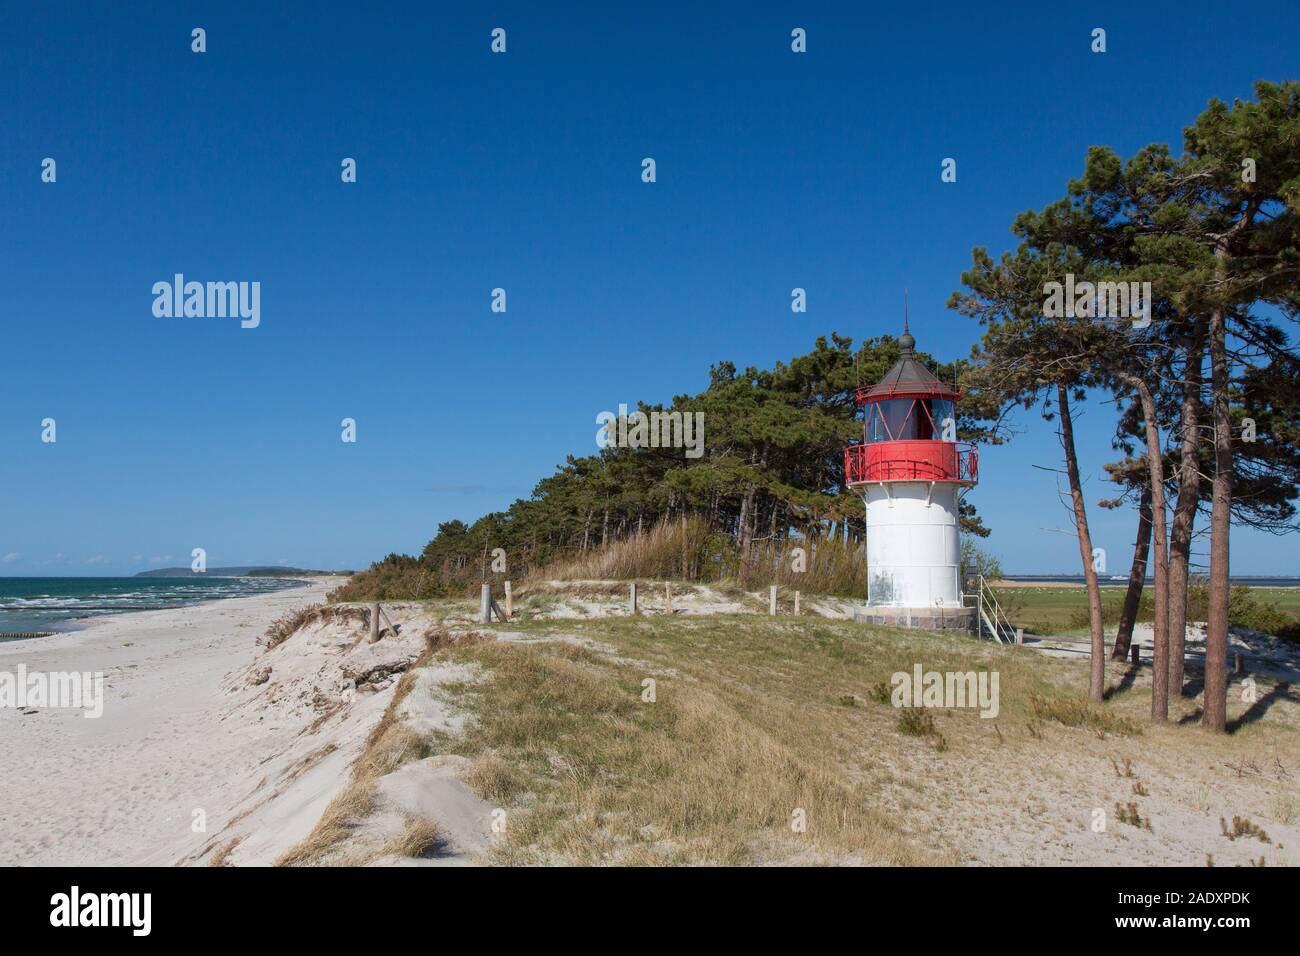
(925, 618)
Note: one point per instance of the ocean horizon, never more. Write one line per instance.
(1254, 581)
(36, 604)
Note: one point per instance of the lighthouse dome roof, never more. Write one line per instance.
(908, 376)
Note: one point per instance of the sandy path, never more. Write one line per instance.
(123, 788)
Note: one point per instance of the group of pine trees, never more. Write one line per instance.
(1205, 382)
(1204, 387)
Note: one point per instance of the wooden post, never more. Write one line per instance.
(771, 601)
(510, 602)
(668, 596)
(1239, 663)
(1136, 653)
(1020, 635)
(485, 604)
(796, 603)
(631, 598)
(374, 623)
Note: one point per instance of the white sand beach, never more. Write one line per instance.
(193, 729)
(122, 788)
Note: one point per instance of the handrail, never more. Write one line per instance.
(998, 625)
(911, 460)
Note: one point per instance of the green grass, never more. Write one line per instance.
(1056, 610)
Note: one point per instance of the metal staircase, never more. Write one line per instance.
(990, 620)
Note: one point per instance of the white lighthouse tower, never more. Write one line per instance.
(911, 472)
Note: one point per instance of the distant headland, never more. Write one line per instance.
(240, 571)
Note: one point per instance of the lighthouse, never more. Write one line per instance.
(911, 472)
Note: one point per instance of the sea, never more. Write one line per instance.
(60, 604)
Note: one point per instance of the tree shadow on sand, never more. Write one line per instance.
(1281, 691)
(1125, 683)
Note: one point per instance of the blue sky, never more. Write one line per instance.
(521, 171)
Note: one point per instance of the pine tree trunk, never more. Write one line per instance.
(748, 516)
(1137, 579)
(744, 531)
(1097, 673)
(1189, 492)
(1215, 712)
(775, 546)
(1155, 463)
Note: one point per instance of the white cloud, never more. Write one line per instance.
(97, 559)
(11, 557)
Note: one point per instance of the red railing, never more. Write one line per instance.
(911, 461)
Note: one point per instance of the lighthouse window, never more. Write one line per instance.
(892, 420)
(908, 419)
(941, 411)
(924, 424)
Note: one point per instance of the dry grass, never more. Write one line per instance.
(1080, 712)
(756, 719)
(290, 623)
(221, 857)
(680, 550)
(1242, 827)
(677, 550)
(496, 779)
(597, 775)
(354, 803)
(919, 722)
(395, 745)
(1286, 808)
(418, 838)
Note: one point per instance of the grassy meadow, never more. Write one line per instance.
(681, 740)
(1063, 609)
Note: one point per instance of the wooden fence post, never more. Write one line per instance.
(374, 623)
(771, 601)
(510, 602)
(668, 596)
(1136, 653)
(485, 604)
(631, 598)
(796, 603)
